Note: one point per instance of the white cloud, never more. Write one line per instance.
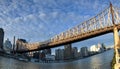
(42, 15)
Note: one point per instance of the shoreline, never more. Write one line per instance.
(16, 57)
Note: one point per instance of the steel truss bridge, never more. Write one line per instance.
(102, 23)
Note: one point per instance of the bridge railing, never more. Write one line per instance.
(92, 24)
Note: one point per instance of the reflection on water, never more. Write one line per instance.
(100, 61)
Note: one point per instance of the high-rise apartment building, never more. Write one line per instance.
(1, 38)
(68, 51)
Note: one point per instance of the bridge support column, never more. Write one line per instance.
(116, 47)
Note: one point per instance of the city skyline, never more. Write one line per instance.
(61, 34)
(39, 20)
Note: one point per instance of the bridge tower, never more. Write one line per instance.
(116, 47)
(116, 40)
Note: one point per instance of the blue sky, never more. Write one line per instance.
(39, 20)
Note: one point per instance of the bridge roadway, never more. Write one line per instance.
(73, 39)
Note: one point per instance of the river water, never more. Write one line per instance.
(100, 61)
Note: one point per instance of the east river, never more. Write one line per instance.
(99, 61)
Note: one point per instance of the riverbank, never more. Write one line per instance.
(99, 61)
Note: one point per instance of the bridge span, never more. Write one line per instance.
(101, 24)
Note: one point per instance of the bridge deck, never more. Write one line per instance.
(81, 37)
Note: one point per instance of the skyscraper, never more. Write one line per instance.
(84, 51)
(13, 47)
(59, 54)
(68, 51)
(74, 52)
(21, 44)
(1, 38)
(7, 46)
